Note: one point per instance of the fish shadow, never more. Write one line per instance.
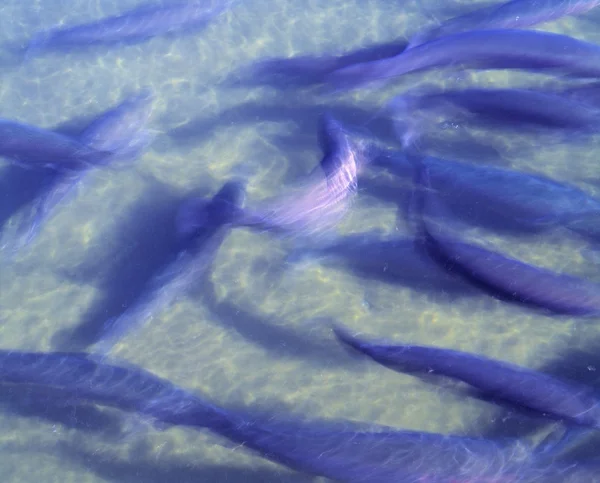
(55, 407)
(579, 365)
(146, 242)
(140, 467)
(271, 333)
(20, 187)
(303, 115)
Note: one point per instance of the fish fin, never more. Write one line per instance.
(134, 148)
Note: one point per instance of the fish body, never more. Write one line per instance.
(342, 451)
(509, 109)
(516, 14)
(498, 196)
(120, 131)
(480, 49)
(123, 129)
(32, 147)
(502, 276)
(134, 26)
(496, 379)
(306, 70)
(320, 202)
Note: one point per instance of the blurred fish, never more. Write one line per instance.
(87, 380)
(497, 380)
(522, 110)
(121, 131)
(306, 70)
(135, 25)
(498, 198)
(501, 276)
(588, 92)
(202, 227)
(32, 147)
(531, 50)
(322, 201)
(340, 450)
(513, 15)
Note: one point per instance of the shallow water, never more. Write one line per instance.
(259, 338)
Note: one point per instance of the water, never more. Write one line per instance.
(255, 337)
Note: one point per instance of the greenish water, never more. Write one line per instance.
(262, 345)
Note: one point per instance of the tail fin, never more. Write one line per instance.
(406, 123)
(343, 335)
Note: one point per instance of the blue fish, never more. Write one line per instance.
(531, 50)
(202, 226)
(120, 131)
(134, 26)
(514, 15)
(502, 276)
(342, 450)
(499, 198)
(32, 147)
(306, 70)
(521, 110)
(494, 379)
(123, 129)
(318, 204)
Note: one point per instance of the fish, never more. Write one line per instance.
(201, 225)
(516, 14)
(340, 450)
(306, 70)
(320, 203)
(135, 25)
(501, 381)
(501, 276)
(531, 50)
(120, 130)
(123, 129)
(32, 147)
(498, 198)
(521, 110)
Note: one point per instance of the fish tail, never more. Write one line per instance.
(406, 125)
(344, 336)
(135, 147)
